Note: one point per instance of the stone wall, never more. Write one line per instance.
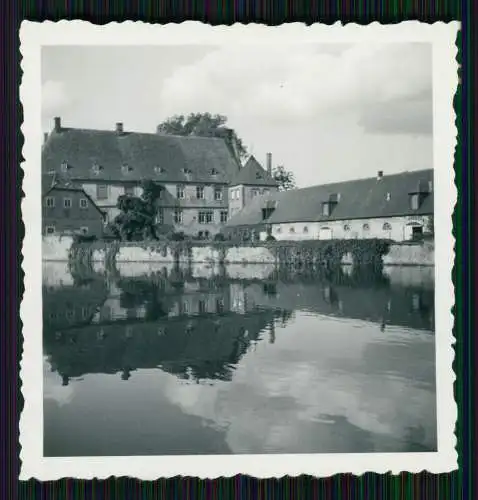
(57, 248)
(412, 254)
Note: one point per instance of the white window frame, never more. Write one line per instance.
(104, 186)
(218, 194)
(178, 216)
(83, 203)
(180, 192)
(47, 204)
(48, 228)
(223, 216)
(200, 192)
(70, 202)
(203, 217)
(84, 230)
(159, 218)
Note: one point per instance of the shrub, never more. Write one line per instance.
(270, 238)
(180, 236)
(84, 238)
(219, 237)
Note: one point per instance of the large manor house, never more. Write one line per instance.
(207, 190)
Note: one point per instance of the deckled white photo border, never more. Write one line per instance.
(445, 80)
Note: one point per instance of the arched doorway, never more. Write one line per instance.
(413, 231)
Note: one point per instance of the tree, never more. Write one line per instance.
(284, 178)
(137, 217)
(202, 125)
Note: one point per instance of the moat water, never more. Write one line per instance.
(154, 360)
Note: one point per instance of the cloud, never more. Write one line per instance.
(54, 97)
(302, 83)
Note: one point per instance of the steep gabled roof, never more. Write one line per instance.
(253, 174)
(357, 199)
(51, 184)
(131, 156)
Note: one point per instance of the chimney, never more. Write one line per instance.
(57, 124)
(45, 137)
(232, 143)
(379, 175)
(119, 128)
(269, 163)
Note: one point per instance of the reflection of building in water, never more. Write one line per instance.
(192, 348)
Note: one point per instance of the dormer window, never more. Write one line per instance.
(214, 172)
(414, 201)
(159, 170)
(187, 171)
(326, 209)
(96, 168)
(126, 169)
(64, 166)
(388, 197)
(258, 175)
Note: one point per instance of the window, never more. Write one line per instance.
(180, 192)
(214, 172)
(64, 166)
(187, 171)
(178, 216)
(387, 227)
(159, 170)
(414, 201)
(389, 196)
(278, 230)
(96, 168)
(366, 227)
(346, 227)
(83, 203)
(50, 229)
(129, 190)
(218, 194)
(159, 219)
(258, 175)
(254, 193)
(206, 217)
(306, 229)
(67, 202)
(84, 230)
(200, 192)
(202, 307)
(325, 209)
(101, 191)
(223, 216)
(292, 230)
(49, 201)
(126, 169)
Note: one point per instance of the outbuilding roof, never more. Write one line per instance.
(384, 196)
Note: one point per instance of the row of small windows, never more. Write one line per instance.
(50, 229)
(365, 227)
(203, 217)
(236, 193)
(126, 169)
(67, 202)
(102, 192)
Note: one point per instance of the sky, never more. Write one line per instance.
(327, 112)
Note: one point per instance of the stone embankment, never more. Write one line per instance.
(335, 252)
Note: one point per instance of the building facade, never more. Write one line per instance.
(69, 210)
(398, 207)
(195, 172)
(251, 181)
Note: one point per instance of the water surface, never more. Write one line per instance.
(154, 360)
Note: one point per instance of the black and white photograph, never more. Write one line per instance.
(238, 249)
